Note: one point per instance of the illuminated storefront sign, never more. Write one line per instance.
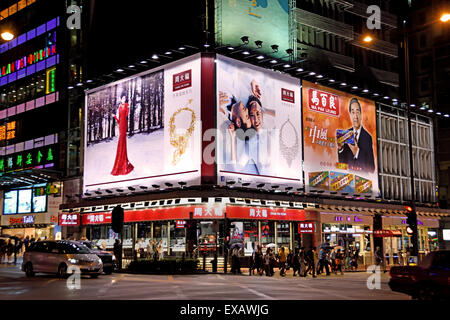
(50, 77)
(181, 223)
(28, 60)
(264, 213)
(306, 227)
(8, 131)
(387, 233)
(36, 158)
(22, 220)
(348, 219)
(69, 219)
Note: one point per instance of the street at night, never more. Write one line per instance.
(14, 285)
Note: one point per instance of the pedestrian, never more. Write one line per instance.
(26, 242)
(333, 260)
(323, 262)
(282, 261)
(316, 259)
(149, 249)
(290, 259)
(267, 262)
(379, 259)
(236, 268)
(9, 250)
(137, 246)
(252, 260)
(296, 262)
(160, 250)
(32, 240)
(355, 259)
(272, 260)
(2, 249)
(142, 248)
(339, 261)
(303, 262)
(310, 261)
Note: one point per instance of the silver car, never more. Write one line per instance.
(59, 257)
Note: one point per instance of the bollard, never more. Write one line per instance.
(214, 263)
(204, 262)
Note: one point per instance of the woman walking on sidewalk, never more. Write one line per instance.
(339, 258)
(282, 261)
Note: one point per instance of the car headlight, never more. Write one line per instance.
(73, 261)
(113, 257)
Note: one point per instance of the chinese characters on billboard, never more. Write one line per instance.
(258, 124)
(145, 129)
(340, 147)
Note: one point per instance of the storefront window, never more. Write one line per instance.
(207, 232)
(160, 236)
(250, 236)
(267, 233)
(177, 240)
(283, 235)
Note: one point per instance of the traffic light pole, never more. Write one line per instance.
(414, 237)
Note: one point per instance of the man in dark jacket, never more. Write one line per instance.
(118, 252)
(310, 260)
(358, 156)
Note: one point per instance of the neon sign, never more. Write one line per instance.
(32, 58)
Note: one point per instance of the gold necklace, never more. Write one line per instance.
(180, 141)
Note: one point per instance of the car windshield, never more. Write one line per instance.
(74, 248)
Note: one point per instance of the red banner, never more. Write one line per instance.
(306, 227)
(264, 213)
(387, 233)
(172, 213)
(69, 219)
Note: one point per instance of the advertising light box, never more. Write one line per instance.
(145, 129)
(263, 20)
(340, 142)
(259, 126)
(10, 202)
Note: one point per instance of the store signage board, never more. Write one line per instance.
(258, 125)
(154, 214)
(387, 233)
(446, 234)
(180, 223)
(164, 149)
(306, 227)
(22, 220)
(334, 124)
(69, 219)
(265, 213)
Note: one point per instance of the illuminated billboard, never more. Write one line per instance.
(145, 129)
(263, 20)
(258, 123)
(340, 145)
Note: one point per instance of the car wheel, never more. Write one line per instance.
(62, 271)
(29, 270)
(108, 270)
(426, 292)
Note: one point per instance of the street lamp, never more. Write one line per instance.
(7, 36)
(445, 17)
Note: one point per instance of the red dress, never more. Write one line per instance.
(121, 165)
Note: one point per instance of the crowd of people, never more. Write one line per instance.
(150, 250)
(14, 247)
(303, 262)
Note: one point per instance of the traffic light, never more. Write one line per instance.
(117, 219)
(411, 220)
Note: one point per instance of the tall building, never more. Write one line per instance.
(187, 80)
(38, 149)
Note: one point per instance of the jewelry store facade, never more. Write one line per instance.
(191, 182)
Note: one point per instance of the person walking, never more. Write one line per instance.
(323, 262)
(303, 262)
(296, 262)
(333, 260)
(9, 250)
(339, 261)
(379, 259)
(2, 250)
(252, 261)
(316, 259)
(282, 261)
(267, 262)
(26, 242)
(149, 249)
(310, 260)
(289, 261)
